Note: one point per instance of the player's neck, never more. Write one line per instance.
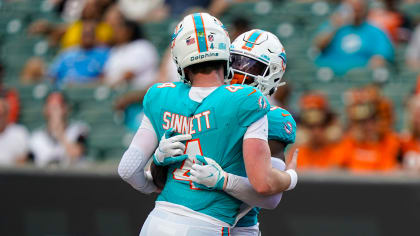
(207, 80)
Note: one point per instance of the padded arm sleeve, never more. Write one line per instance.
(240, 188)
(131, 167)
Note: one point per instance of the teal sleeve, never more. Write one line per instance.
(281, 126)
(252, 107)
(146, 103)
(149, 110)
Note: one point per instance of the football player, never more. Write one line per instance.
(258, 59)
(227, 122)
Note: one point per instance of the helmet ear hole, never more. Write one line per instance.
(272, 90)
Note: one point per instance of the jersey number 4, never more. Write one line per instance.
(192, 148)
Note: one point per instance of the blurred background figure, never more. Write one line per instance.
(348, 41)
(60, 141)
(11, 97)
(144, 10)
(80, 65)
(318, 133)
(13, 139)
(386, 15)
(69, 34)
(413, 51)
(370, 143)
(33, 72)
(410, 140)
(281, 98)
(133, 60)
(93, 11)
(240, 25)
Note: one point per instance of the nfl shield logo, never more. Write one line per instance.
(211, 38)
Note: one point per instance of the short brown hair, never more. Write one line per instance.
(206, 67)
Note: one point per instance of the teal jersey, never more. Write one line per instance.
(281, 127)
(217, 126)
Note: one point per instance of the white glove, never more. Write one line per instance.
(208, 176)
(171, 148)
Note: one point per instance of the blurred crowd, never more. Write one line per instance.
(103, 43)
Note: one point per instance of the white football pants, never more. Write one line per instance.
(164, 223)
(246, 231)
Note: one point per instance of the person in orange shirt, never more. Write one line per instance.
(368, 145)
(386, 16)
(318, 133)
(11, 96)
(410, 141)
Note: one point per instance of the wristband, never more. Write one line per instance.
(293, 179)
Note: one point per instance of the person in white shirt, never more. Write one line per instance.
(13, 139)
(59, 142)
(133, 59)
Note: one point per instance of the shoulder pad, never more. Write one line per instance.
(252, 105)
(281, 125)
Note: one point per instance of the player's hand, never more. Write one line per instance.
(171, 148)
(208, 176)
(291, 162)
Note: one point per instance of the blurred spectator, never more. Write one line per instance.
(318, 133)
(92, 11)
(132, 60)
(349, 41)
(370, 144)
(61, 141)
(12, 98)
(158, 10)
(281, 98)
(71, 10)
(69, 35)
(167, 71)
(214, 7)
(80, 65)
(239, 25)
(33, 71)
(13, 139)
(113, 17)
(144, 10)
(413, 50)
(417, 91)
(410, 140)
(386, 16)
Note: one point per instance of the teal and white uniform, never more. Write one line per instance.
(217, 126)
(281, 127)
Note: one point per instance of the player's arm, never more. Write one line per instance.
(207, 177)
(136, 157)
(240, 188)
(143, 146)
(264, 179)
(212, 176)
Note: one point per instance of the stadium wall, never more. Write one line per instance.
(97, 202)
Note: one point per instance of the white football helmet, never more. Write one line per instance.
(258, 59)
(198, 38)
